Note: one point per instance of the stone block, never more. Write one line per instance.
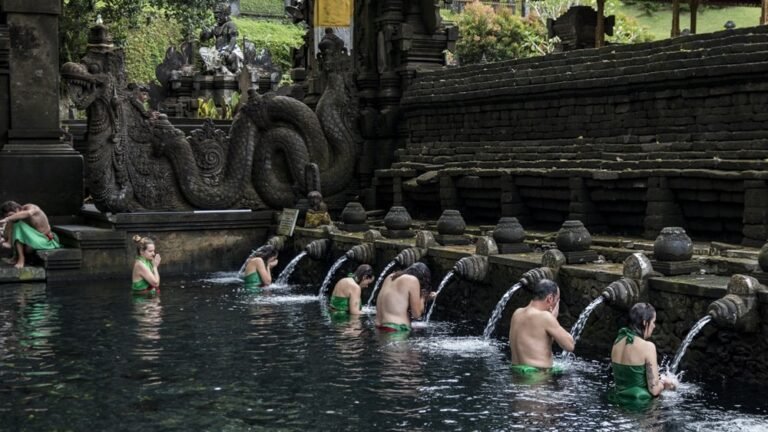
(398, 234)
(452, 239)
(580, 257)
(674, 268)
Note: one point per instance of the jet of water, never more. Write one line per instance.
(443, 283)
(499, 310)
(379, 281)
(687, 341)
(286, 273)
(582, 321)
(329, 276)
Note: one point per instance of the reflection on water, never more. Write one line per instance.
(205, 356)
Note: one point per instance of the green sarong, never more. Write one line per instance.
(252, 281)
(631, 389)
(394, 328)
(142, 284)
(339, 304)
(526, 370)
(26, 234)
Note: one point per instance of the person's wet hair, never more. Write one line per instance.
(8, 207)
(265, 252)
(142, 243)
(639, 315)
(421, 272)
(363, 271)
(543, 288)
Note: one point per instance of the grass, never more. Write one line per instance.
(263, 7)
(275, 35)
(709, 19)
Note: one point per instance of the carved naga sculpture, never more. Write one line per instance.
(137, 160)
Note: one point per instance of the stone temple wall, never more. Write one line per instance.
(625, 138)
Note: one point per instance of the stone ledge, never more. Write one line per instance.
(10, 274)
(88, 237)
(61, 259)
(707, 286)
(179, 220)
(451, 252)
(315, 233)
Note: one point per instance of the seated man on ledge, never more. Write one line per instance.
(534, 327)
(28, 229)
(402, 292)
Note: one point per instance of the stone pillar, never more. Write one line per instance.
(582, 208)
(755, 217)
(35, 165)
(661, 209)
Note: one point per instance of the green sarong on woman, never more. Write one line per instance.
(28, 235)
(141, 285)
(252, 281)
(631, 383)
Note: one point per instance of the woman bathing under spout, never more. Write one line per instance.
(346, 294)
(633, 360)
(258, 270)
(146, 278)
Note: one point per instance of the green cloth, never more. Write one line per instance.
(252, 280)
(142, 284)
(26, 234)
(394, 328)
(526, 370)
(625, 332)
(631, 389)
(339, 304)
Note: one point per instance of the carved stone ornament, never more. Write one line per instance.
(451, 223)
(573, 237)
(673, 244)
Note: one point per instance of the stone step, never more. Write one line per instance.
(10, 274)
(89, 237)
(61, 259)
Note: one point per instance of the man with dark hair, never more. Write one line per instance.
(533, 329)
(400, 293)
(26, 229)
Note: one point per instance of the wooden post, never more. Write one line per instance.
(675, 18)
(600, 27)
(763, 12)
(694, 4)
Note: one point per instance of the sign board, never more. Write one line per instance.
(287, 222)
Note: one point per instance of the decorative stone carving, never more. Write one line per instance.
(509, 236)
(762, 258)
(364, 253)
(409, 256)
(425, 239)
(397, 219)
(738, 308)
(371, 236)
(278, 242)
(473, 268)
(622, 293)
(139, 162)
(225, 56)
(573, 237)
(353, 217)
(451, 223)
(553, 259)
(637, 266)
(485, 246)
(318, 249)
(673, 244)
(532, 276)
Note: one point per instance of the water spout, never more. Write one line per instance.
(379, 281)
(443, 283)
(286, 273)
(532, 276)
(277, 242)
(499, 310)
(687, 341)
(364, 253)
(473, 268)
(318, 249)
(738, 308)
(583, 317)
(622, 293)
(408, 257)
(327, 281)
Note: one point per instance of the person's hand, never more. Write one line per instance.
(156, 260)
(669, 381)
(272, 263)
(432, 295)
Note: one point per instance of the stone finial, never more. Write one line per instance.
(673, 244)
(509, 230)
(553, 259)
(371, 236)
(353, 213)
(573, 237)
(473, 268)
(409, 256)
(425, 239)
(451, 223)
(637, 267)
(397, 218)
(363, 253)
(318, 249)
(622, 293)
(485, 246)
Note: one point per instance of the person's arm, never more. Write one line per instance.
(559, 334)
(264, 273)
(354, 300)
(416, 301)
(20, 215)
(152, 277)
(655, 385)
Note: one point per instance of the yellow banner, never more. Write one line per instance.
(333, 13)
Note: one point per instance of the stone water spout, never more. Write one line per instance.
(633, 287)
(278, 242)
(738, 308)
(551, 262)
(318, 249)
(473, 268)
(364, 253)
(409, 256)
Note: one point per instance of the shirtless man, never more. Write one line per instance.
(534, 327)
(27, 226)
(402, 292)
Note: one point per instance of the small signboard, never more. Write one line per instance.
(287, 222)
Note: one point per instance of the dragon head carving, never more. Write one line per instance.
(100, 73)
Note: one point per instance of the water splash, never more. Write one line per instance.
(286, 273)
(499, 310)
(240, 273)
(379, 281)
(687, 341)
(582, 321)
(329, 276)
(443, 283)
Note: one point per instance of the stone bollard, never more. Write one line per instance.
(510, 236)
(364, 253)
(672, 252)
(353, 218)
(473, 268)
(318, 249)
(450, 229)
(398, 223)
(738, 308)
(425, 239)
(551, 262)
(573, 240)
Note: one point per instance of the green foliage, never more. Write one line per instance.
(497, 35)
(627, 30)
(278, 37)
(208, 109)
(145, 46)
(263, 7)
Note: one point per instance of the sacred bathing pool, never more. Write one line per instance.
(626, 173)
